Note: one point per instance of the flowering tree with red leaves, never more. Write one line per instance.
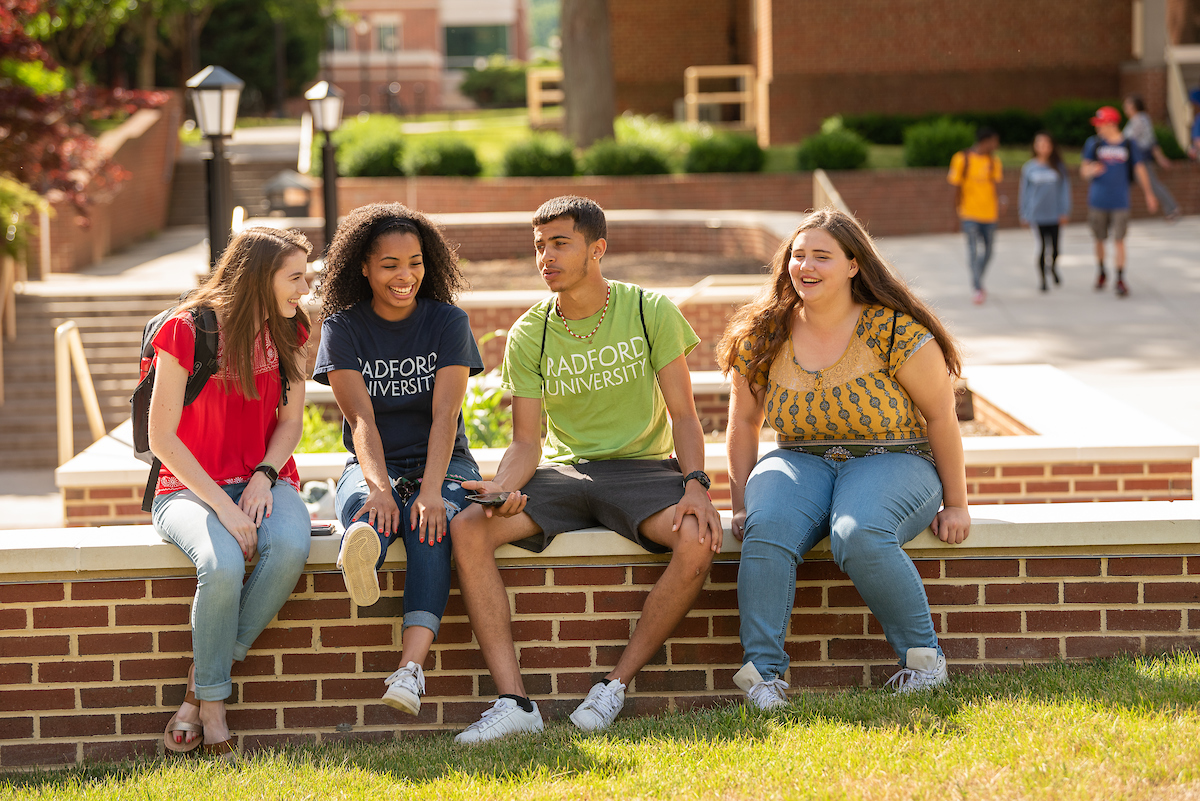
(44, 141)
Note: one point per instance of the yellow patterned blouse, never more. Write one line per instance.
(857, 401)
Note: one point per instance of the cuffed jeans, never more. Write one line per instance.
(427, 574)
(231, 610)
(870, 507)
(979, 248)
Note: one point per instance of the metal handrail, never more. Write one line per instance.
(826, 194)
(68, 351)
(8, 310)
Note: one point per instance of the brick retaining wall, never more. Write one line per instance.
(92, 669)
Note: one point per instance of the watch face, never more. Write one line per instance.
(700, 476)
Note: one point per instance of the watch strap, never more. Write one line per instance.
(270, 472)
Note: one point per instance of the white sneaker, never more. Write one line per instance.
(763, 694)
(357, 558)
(923, 668)
(601, 707)
(504, 718)
(405, 688)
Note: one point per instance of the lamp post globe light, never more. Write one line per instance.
(327, 102)
(215, 92)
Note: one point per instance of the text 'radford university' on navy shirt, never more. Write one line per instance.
(398, 362)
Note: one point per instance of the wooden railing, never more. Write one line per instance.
(744, 97)
(1178, 107)
(68, 351)
(826, 194)
(537, 96)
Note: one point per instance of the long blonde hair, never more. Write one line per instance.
(766, 320)
(241, 292)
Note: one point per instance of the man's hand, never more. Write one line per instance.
(695, 501)
(514, 504)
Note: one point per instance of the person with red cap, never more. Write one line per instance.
(1110, 164)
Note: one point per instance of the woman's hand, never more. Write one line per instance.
(241, 526)
(738, 527)
(428, 515)
(380, 511)
(256, 498)
(952, 524)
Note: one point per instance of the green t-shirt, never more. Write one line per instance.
(601, 397)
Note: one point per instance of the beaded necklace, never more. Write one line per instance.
(604, 311)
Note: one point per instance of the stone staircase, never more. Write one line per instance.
(111, 329)
(189, 191)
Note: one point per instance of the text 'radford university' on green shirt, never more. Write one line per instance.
(601, 395)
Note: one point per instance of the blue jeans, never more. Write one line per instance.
(231, 610)
(427, 574)
(978, 233)
(869, 507)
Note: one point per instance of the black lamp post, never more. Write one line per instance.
(327, 102)
(215, 92)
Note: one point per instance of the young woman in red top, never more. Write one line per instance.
(228, 490)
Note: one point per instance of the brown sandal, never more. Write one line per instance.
(224, 750)
(176, 725)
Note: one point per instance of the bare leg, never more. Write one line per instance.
(417, 640)
(673, 594)
(476, 538)
(1119, 254)
(212, 715)
(1100, 251)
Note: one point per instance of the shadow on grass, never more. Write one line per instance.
(1152, 685)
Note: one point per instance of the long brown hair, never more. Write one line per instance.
(766, 320)
(242, 294)
(342, 281)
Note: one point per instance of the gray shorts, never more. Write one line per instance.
(615, 493)
(1101, 220)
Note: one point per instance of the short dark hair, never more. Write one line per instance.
(985, 132)
(585, 213)
(1137, 102)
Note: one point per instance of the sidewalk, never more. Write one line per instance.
(1143, 350)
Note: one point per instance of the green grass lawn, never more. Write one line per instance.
(1114, 729)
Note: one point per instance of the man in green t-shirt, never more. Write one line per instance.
(608, 361)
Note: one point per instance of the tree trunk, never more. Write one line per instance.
(588, 71)
(145, 73)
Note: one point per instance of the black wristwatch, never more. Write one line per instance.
(270, 472)
(700, 476)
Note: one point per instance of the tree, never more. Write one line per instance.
(44, 142)
(588, 71)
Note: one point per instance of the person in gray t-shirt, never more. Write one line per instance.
(1140, 129)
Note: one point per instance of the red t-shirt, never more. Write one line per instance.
(226, 432)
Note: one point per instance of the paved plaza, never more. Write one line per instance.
(1143, 350)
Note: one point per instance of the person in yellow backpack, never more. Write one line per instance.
(975, 172)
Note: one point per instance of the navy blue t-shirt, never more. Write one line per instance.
(1110, 189)
(398, 362)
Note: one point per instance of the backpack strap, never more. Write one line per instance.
(204, 364)
(151, 485)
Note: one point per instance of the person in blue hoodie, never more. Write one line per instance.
(1045, 201)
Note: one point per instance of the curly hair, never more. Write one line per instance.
(342, 281)
(767, 320)
(240, 291)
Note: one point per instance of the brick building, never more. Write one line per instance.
(408, 55)
(817, 59)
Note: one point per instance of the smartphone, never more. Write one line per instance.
(489, 498)
(321, 529)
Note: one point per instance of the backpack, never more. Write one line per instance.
(203, 367)
(962, 178)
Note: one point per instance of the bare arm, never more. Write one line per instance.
(675, 381)
(519, 461)
(429, 511)
(926, 380)
(166, 409)
(746, 413)
(1143, 179)
(256, 499)
(350, 392)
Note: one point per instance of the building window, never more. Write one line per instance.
(387, 38)
(466, 43)
(339, 37)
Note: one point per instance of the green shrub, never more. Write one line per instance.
(501, 84)
(725, 152)
(1070, 120)
(838, 149)
(609, 157)
(933, 144)
(546, 155)
(487, 419)
(882, 129)
(320, 435)
(1015, 126)
(443, 157)
(376, 154)
(1166, 140)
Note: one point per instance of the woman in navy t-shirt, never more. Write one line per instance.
(398, 354)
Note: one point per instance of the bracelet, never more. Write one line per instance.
(270, 472)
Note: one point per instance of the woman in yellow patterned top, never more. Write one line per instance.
(853, 372)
